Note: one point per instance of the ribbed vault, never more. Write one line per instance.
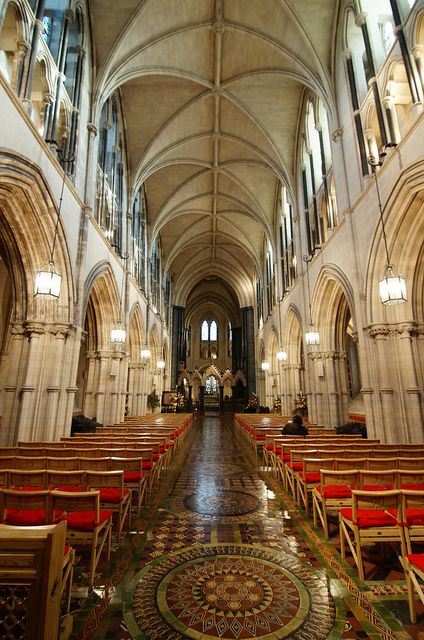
(212, 93)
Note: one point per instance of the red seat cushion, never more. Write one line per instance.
(83, 520)
(260, 437)
(415, 487)
(336, 491)
(310, 476)
(25, 517)
(377, 487)
(25, 487)
(65, 487)
(278, 450)
(155, 456)
(417, 559)
(162, 449)
(414, 516)
(131, 476)
(111, 494)
(269, 447)
(295, 466)
(368, 518)
(147, 465)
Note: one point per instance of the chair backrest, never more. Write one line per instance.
(410, 479)
(345, 464)
(382, 464)
(377, 500)
(127, 464)
(411, 463)
(344, 477)
(30, 462)
(311, 465)
(61, 464)
(70, 501)
(377, 480)
(35, 554)
(99, 464)
(27, 478)
(66, 478)
(21, 500)
(105, 479)
(7, 462)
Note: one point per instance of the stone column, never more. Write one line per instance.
(19, 61)
(387, 430)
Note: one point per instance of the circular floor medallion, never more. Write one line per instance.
(222, 503)
(230, 592)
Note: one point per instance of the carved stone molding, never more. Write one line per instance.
(328, 355)
(92, 129)
(394, 330)
(337, 134)
(218, 26)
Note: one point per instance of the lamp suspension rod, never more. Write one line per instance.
(58, 216)
(374, 166)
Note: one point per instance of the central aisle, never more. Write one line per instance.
(225, 557)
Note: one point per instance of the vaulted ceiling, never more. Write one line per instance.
(212, 92)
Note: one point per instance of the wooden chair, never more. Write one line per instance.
(113, 495)
(30, 462)
(310, 477)
(57, 463)
(377, 480)
(86, 523)
(25, 508)
(413, 562)
(72, 480)
(32, 561)
(333, 493)
(134, 479)
(413, 565)
(95, 464)
(410, 479)
(375, 516)
(22, 478)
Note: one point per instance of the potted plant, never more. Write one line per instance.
(153, 400)
(301, 404)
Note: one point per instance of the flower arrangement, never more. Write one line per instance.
(301, 404)
(153, 400)
(252, 404)
(277, 404)
(180, 400)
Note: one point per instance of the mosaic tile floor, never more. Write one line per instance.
(223, 552)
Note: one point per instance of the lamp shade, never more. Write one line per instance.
(118, 334)
(160, 364)
(265, 366)
(145, 354)
(282, 356)
(47, 282)
(392, 287)
(312, 336)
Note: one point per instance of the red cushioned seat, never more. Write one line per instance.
(162, 449)
(111, 494)
(335, 491)
(24, 487)
(155, 457)
(377, 487)
(414, 516)
(131, 476)
(296, 466)
(169, 444)
(367, 518)
(278, 450)
(147, 465)
(310, 476)
(65, 487)
(260, 437)
(25, 517)
(84, 520)
(417, 559)
(269, 447)
(414, 487)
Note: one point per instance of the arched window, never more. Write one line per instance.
(110, 175)
(287, 249)
(138, 238)
(53, 17)
(205, 331)
(209, 339)
(317, 175)
(155, 276)
(213, 331)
